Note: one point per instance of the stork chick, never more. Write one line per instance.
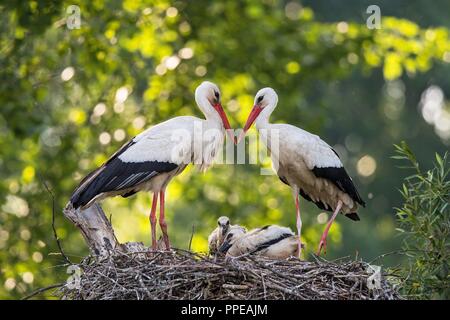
(234, 233)
(271, 241)
(216, 237)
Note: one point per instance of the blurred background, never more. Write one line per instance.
(70, 97)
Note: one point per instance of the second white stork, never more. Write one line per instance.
(306, 163)
(151, 159)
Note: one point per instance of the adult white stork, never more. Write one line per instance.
(306, 163)
(151, 159)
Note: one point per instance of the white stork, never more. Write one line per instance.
(151, 159)
(306, 163)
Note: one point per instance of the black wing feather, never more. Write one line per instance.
(283, 179)
(115, 155)
(319, 204)
(341, 179)
(117, 175)
(268, 243)
(353, 215)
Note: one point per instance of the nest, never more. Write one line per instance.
(180, 274)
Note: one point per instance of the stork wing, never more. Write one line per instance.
(324, 162)
(139, 160)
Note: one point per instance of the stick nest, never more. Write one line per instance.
(180, 274)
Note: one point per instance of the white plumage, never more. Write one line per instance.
(301, 155)
(215, 239)
(151, 159)
(304, 162)
(233, 234)
(174, 141)
(314, 151)
(271, 241)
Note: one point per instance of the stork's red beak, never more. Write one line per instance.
(226, 123)
(251, 118)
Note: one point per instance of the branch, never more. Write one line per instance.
(95, 228)
(55, 234)
(38, 291)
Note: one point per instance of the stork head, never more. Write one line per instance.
(207, 96)
(265, 102)
(224, 225)
(235, 233)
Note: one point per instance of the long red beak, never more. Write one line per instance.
(251, 118)
(226, 123)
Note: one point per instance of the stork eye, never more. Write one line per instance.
(217, 95)
(260, 98)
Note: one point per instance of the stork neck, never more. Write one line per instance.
(210, 113)
(262, 122)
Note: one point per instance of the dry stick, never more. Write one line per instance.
(264, 286)
(401, 251)
(38, 291)
(55, 234)
(192, 236)
(182, 274)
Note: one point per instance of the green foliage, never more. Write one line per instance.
(425, 220)
(348, 83)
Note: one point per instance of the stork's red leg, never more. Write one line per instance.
(162, 220)
(299, 226)
(153, 219)
(323, 240)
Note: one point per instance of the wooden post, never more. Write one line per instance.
(95, 228)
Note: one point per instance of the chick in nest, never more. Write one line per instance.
(217, 237)
(271, 241)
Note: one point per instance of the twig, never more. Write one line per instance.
(55, 234)
(192, 236)
(181, 274)
(38, 291)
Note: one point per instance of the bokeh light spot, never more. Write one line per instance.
(366, 166)
(67, 73)
(28, 277)
(322, 217)
(119, 135)
(104, 138)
